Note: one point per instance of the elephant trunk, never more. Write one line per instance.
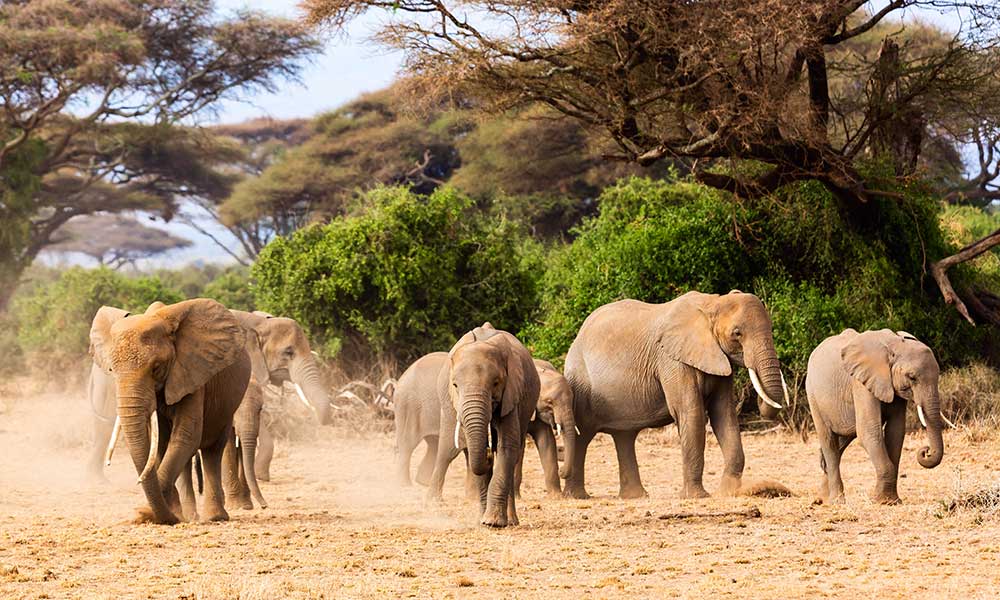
(569, 444)
(765, 374)
(475, 419)
(304, 373)
(133, 409)
(249, 447)
(930, 456)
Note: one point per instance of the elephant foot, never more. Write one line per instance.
(888, 499)
(422, 478)
(632, 492)
(576, 491)
(190, 515)
(145, 514)
(217, 516)
(730, 485)
(263, 476)
(554, 493)
(239, 501)
(494, 517)
(694, 491)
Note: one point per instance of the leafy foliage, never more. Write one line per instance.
(404, 277)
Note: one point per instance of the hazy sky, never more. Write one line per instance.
(349, 66)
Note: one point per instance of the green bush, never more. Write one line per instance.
(818, 268)
(232, 288)
(404, 277)
(53, 318)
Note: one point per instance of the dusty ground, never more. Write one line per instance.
(338, 528)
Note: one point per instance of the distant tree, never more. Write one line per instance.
(91, 91)
(113, 240)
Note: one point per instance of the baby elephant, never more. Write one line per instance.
(858, 385)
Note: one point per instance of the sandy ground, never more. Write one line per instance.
(338, 528)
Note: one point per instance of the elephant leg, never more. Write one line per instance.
(831, 448)
(895, 431)
(237, 492)
(185, 485)
(405, 445)
(726, 427)
(630, 485)
(445, 454)
(500, 495)
(265, 452)
(545, 441)
(691, 429)
(215, 497)
(102, 436)
(576, 485)
(426, 468)
(518, 475)
(473, 486)
(183, 444)
(869, 427)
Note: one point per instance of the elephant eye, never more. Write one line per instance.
(911, 376)
(289, 351)
(736, 332)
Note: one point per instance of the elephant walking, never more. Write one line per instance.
(180, 372)
(488, 391)
(858, 385)
(101, 398)
(554, 414)
(635, 365)
(417, 415)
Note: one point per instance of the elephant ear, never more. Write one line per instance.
(100, 335)
(517, 374)
(155, 306)
(907, 336)
(468, 338)
(866, 358)
(686, 335)
(207, 339)
(261, 313)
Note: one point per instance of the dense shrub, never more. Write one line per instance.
(53, 318)
(232, 288)
(817, 267)
(403, 277)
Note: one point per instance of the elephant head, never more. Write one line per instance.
(288, 357)
(486, 377)
(890, 364)
(713, 332)
(555, 408)
(161, 356)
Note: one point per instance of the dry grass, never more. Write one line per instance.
(971, 395)
(338, 528)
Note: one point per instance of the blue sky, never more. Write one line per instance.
(350, 65)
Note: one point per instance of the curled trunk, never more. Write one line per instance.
(930, 456)
(764, 361)
(475, 420)
(305, 373)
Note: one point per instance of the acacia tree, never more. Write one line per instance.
(715, 82)
(91, 93)
(113, 240)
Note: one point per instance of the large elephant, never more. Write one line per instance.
(180, 372)
(858, 385)
(488, 391)
(635, 365)
(417, 415)
(554, 414)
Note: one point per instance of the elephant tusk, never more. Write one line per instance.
(558, 429)
(302, 397)
(237, 441)
(457, 425)
(920, 415)
(949, 423)
(115, 432)
(760, 390)
(154, 444)
(784, 388)
(577, 429)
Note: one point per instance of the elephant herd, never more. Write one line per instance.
(189, 377)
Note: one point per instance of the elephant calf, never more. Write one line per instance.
(554, 413)
(417, 415)
(858, 385)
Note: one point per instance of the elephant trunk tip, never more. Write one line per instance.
(929, 459)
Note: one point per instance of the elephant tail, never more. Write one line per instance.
(198, 472)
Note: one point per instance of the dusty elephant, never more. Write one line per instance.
(554, 414)
(488, 392)
(180, 372)
(417, 415)
(635, 365)
(858, 385)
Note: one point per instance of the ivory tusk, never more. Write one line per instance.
(115, 432)
(949, 423)
(302, 397)
(577, 429)
(237, 441)
(760, 390)
(154, 445)
(920, 415)
(457, 425)
(784, 388)
(558, 429)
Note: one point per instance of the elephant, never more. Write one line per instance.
(239, 458)
(635, 365)
(554, 413)
(417, 415)
(488, 391)
(858, 385)
(180, 372)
